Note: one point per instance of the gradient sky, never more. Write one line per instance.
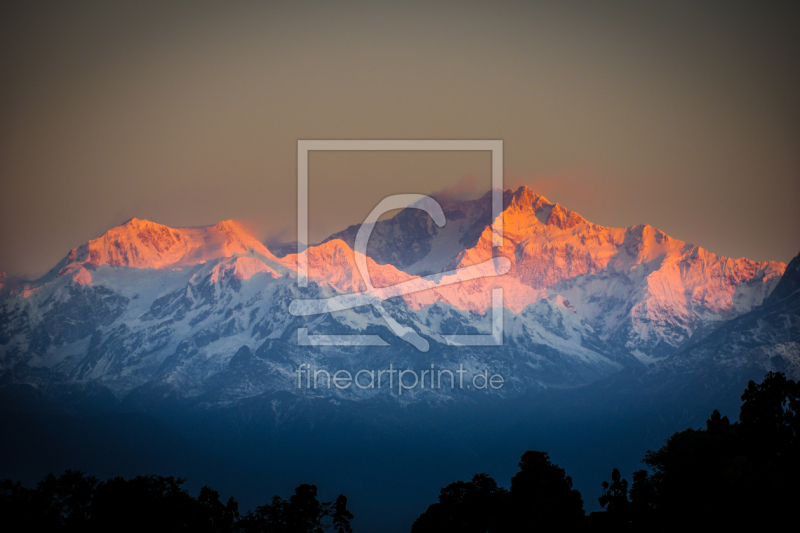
(683, 115)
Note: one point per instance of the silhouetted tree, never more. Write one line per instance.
(74, 502)
(152, 503)
(614, 500)
(541, 495)
(270, 517)
(475, 506)
(305, 513)
(64, 503)
(213, 515)
(15, 506)
(770, 430)
(56, 504)
(301, 513)
(643, 498)
(341, 515)
(726, 475)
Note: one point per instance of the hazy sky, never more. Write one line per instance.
(683, 115)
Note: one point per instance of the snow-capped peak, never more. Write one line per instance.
(144, 244)
(529, 207)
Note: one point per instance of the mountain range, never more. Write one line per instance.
(203, 312)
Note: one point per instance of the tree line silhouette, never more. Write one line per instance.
(74, 502)
(742, 474)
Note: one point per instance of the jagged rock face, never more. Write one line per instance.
(202, 312)
(412, 242)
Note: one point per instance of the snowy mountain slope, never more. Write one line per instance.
(635, 286)
(181, 330)
(768, 337)
(202, 313)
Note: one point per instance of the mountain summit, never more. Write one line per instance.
(143, 244)
(525, 202)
